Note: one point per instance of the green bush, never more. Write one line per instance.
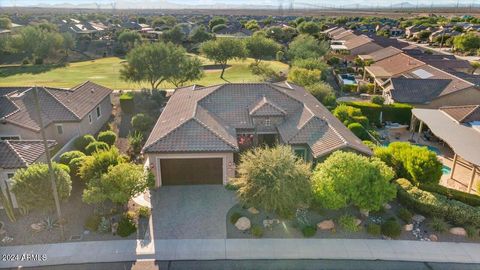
(92, 223)
(95, 147)
(453, 194)
(391, 228)
(81, 142)
(126, 226)
(235, 217)
(379, 100)
(405, 215)
(257, 231)
(66, 157)
(438, 225)
(437, 205)
(374, 229)
(127, 103)
(144, 212)
(309, 231)
(75, 164)
(348, 223)
(349, 88)
(142, 122)
(397, 112)
(472, 232)
(104, 225)
(359, 131)
(348, 115)
(109, 137)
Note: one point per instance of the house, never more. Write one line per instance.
(66, 113)
(349, 45)
(380, 54)
(390, 67)
(16, 155)
(199, 134)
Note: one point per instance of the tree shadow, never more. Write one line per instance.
(8, 71)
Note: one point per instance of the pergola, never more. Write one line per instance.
(463, 139)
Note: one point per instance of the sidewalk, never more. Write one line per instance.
(216, 249)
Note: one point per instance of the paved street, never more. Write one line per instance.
(191, 212)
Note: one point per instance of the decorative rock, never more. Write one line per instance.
(458, 231)
(358, 222)
(418, 218)
(268, 223)
(387, 206)
(364, 213)
(433, 238)
(326, 225)
(253, 210)
(243, 224)
(408, 227)
(36, 227)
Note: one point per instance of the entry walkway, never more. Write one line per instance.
(228, 249)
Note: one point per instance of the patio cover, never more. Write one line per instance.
(464, 140)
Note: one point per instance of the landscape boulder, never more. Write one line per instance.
(408, 227)
(326, 225)
(418, 218)
(243, 224)
(433, 238)
(458, 231)
(253, 210)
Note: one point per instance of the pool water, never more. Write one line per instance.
(348, 79)
(446, 169)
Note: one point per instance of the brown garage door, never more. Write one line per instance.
(191, 171)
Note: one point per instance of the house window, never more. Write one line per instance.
(268, 122)
(59, 129)
(301, 153)
(10, 138)
(99, 112)
(90, 118)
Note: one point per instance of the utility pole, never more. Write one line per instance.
(49, 162)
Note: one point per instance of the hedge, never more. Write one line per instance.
(467, 198)
(126, 102)
(437, 205)
(397, 112)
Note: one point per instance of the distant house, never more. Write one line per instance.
(197, 137)
(349, 45)
(66, 114)
(16, 155)
(380, 54)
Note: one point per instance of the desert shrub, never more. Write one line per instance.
(472, 232)
(81, 142)
(144, 212)
(109, 137)
(437, 205)
(348, 115)
(142, 122)
(126, 226)
(127, 103)
(438, 225)
(303, 76)
(257, 231)
(97, 164)
(104, 225)
(320, 90)
(309, 231)
(66, 157)
(359, 131)
(235, 217)
(379, 100)
(405, 215)
(95, 147)
(391, 228)
(453, 194)
(396, 112)
(92, 223)
(348, 223)
(75, 164)
(374, 229)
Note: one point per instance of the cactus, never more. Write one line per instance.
(7, 204)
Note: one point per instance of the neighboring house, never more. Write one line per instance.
(380, 54)
(391, 67)
(198, 136)
(66, 114)
(448, 63)
(349, 45)
(16, 155)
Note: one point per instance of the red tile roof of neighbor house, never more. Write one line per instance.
(463, 114)
(381, 54)
(20, 154)
(207, 119)
(394, 66)
(17, 104)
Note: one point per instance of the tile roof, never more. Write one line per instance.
(394, 66)
(410, 90)
(57, 105)
(381, 54)
(357, 42)
(206, 119)
(463, 114)
(20, 154)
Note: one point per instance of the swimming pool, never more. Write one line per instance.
(446, 169)
(348, 79)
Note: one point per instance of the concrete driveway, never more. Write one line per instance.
(191, 212)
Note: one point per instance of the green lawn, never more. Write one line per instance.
(105, 71)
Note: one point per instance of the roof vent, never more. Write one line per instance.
(92, 90)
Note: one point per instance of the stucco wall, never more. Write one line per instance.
(153, 161)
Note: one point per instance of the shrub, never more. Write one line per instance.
(436, 205)
(135, 141)
(104, 225)
(235, 217)
(453, 194)
(92, 223)
(359, 131)
(309, 231)
(127, 102)
(303, 76)
(144, 212)
(142, 122)
(348, 115)
(320, 90)
(391, 228)
(75, 164)
(379, 100)
(66, 157)
(438, 225)
(126, 226)
(405, 215)
(472, 232)
(348, 223)
(81, 142)
(415, 163)
(97, 164)
(257, 231)
(95, 147)
(396, 112)
(374, 229)
(109, 137)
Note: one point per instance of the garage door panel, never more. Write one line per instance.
(191, 171)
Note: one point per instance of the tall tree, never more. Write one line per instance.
(199, 35)
(222, 50)
(159, 62)
(129, 39)
(216, 21)
(306, 46)
(260, 48)
(5, 23)
(310, 28)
